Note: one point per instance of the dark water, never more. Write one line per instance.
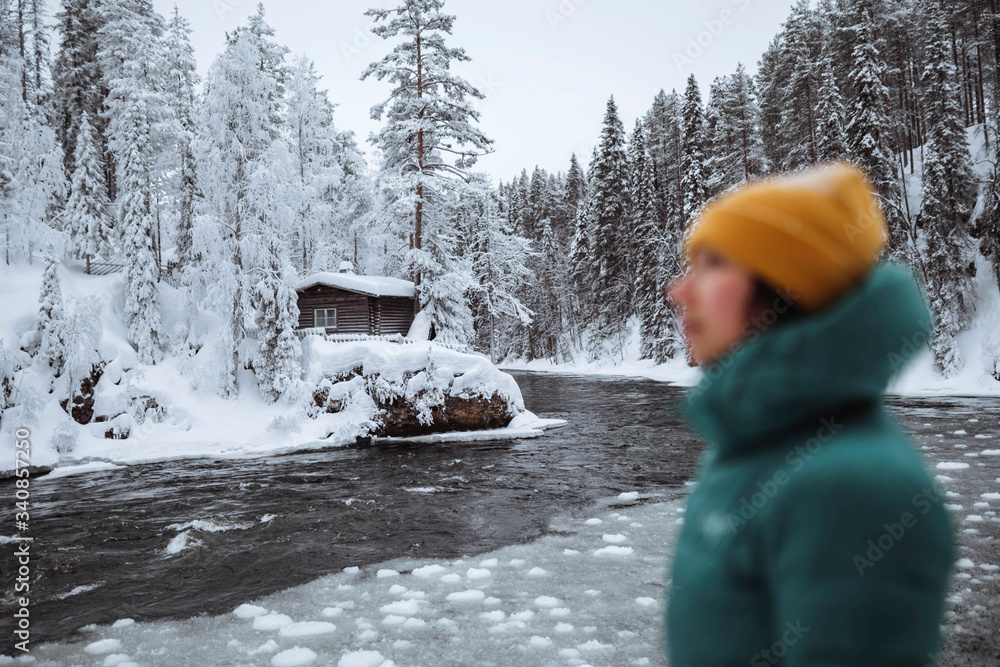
(109, 530)
(333, 508)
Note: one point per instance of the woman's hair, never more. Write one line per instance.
(770, 307)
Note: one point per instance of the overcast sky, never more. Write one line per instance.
(547, 67)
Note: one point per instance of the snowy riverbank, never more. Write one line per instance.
(141, 413)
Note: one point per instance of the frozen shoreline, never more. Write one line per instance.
(524, 425)
(919, 378)
(549, 600)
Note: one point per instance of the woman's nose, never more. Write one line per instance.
(672, 290)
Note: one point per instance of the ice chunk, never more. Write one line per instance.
(307, 628)
(613, 551)
(249, 611)
(102, 646)
(271, 621)
(428, 570)
(404, 607)
(472, 595)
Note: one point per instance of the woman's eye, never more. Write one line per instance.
(714, 261)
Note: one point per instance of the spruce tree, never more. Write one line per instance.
(497, 258)
(87, 212)
(134, 67)
(608, 236)
(647, 242)
(52, 332)
(831, 137)
(79, 83)
(576, 186)
(737, 149)
(180, 89)
(949, 193)
(243, 175)
(694, 175)
(278, 364)
(801, 40)
(868, 132)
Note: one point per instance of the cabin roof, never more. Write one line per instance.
(369, 285)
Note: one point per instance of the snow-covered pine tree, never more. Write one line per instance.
(664, 131)
(986, 227)
(538, 203)
(87, 217)
(278, 364)
(554, 319)
(831, 137)
(243, 174)
(321, 229)
(134, 66)
(646, 245)
(576, 186)
(737, 149)
(608, 240)
(800, 46)
(694, 176)
(427, 117)
(31, 177)
(271, 59)
(582, 268)
(869, 133)
(447, 280)
(26, 20)
(497, 257)
(52, 333)
(949, 193)
(180, 89)
(78, 84)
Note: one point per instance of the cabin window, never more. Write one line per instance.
(325, 317)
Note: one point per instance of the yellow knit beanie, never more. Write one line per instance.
(813, 234)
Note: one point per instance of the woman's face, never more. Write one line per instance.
(713, 297)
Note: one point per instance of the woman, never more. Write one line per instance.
(814, 535)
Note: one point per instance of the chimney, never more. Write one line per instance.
(346, 267)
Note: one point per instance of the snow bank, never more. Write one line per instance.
(470, 374)
(172, 410)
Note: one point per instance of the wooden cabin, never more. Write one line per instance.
(345, 302)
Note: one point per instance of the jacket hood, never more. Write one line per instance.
(794, 371)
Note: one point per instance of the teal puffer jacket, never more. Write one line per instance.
(814, 534)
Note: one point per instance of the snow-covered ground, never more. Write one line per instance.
(592, 592)
(191, 420)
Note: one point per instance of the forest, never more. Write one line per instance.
(227, 190)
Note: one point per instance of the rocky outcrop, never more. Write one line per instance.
(458, 413)
(409, 408)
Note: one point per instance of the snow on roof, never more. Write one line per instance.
(370, 285)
